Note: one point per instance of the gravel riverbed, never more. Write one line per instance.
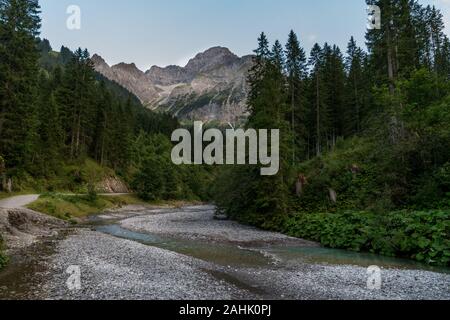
(116, 268)
(113, 268)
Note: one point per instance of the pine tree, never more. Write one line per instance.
(445, 68)
(19, 27)
(278, 61)
(76, 98)
(407, 52)
(102, 131)
(296, 68)
(355, 89)
(334, 85)
(438, 40)
(252, 192)
(319, 109)
(410, 37)
(394, 53)
(51, 139)
(256, 73)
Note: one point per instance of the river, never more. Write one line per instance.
(184, 253)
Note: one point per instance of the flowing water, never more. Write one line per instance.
(21, 278)
(234, 255)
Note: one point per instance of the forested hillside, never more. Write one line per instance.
(64, 127)
(365, 139)
(365, 134)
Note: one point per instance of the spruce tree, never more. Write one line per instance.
(19, 27)
(334, 85)
(50, 143)
(76, 98)
(247, 191)
(355, 89)
(256, 73)
(319, 110)
(296, 68)
(381, 45)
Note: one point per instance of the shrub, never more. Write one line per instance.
(421, 235)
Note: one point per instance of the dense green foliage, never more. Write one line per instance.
(365, 136)
(368, 131)
(422, 235)
(157, 178)
(240, 190)
(19, 25)
(64, 125)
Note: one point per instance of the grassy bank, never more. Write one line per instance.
(421, 235)
(70, 207)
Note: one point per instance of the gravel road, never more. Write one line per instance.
(18, 202)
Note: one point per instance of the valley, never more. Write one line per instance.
(355, 203)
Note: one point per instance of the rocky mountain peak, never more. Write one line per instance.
(212, 86)
(211, 59)
(128, 67)
(167, 76)
(98, 60)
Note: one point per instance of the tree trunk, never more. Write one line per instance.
(293, 123)
(356, 105)
(390, 61)
(318, 114)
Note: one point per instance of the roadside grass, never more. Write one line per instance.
(73, 207)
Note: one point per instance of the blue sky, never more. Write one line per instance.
(163, 32)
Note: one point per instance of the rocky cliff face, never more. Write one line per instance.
(211, 87)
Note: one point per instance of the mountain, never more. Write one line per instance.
(211, 87)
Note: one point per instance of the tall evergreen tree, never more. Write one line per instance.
(334, 84)
(355, 99)
(383, 44)
(256, 73)
(50, 136)
(296, 68)
(19, 27)
(438, 41)
(246, 190)
(319, 109)
(76, 98)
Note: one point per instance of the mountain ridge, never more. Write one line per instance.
(211, 87)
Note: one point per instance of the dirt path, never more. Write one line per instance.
(18, 202)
